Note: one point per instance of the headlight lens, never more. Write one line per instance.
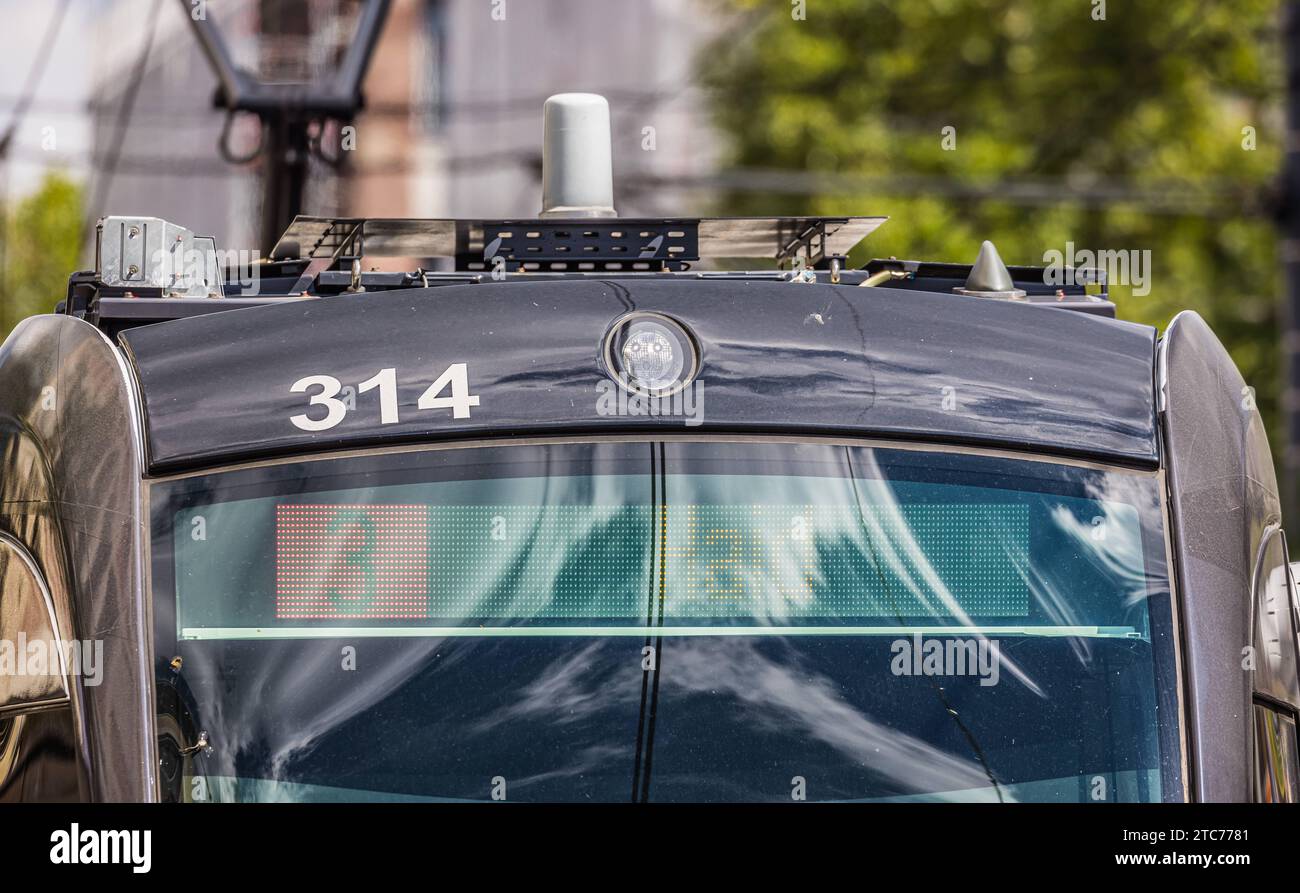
(650, 354)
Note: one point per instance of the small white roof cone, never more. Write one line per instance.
(990, 278)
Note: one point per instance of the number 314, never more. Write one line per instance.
(455, 379)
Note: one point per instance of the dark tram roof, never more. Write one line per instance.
(776, 358)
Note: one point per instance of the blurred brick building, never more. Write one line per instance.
(454, 93)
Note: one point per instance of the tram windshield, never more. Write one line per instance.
(677, 620)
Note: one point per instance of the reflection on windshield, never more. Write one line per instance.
(671, 621)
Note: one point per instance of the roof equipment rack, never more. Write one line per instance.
(579, 244)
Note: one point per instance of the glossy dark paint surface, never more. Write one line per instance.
(69, 478)
(38, 758)
(69, 492)
(780, 358)
(1224, 504)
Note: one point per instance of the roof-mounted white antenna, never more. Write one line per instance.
(577, 172)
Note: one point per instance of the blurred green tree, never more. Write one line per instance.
(1170, 109)
(42, 248)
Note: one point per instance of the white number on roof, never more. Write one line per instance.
(455, 378)
(386, 381)
(330, 387)
(460, 400)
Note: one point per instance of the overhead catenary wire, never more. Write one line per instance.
(1173, 197)
(490, 109)
(21, 107)
(24, 101)
(1168, 197)
(105, 172)
(1215, 198)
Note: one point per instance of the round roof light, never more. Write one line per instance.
(650, 354)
